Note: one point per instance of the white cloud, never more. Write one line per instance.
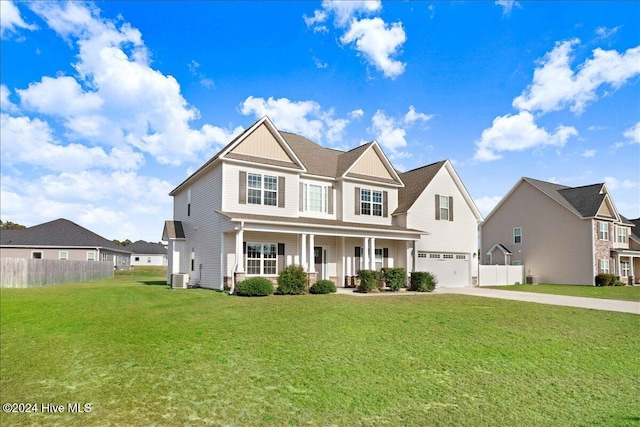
(588, 153)
(605, 33)
(378, 42)
(117, 99)
(346, 10)
(556, 86)
(517, 133)
(617, 184)
(633, 133)
(11, 20)
(391, 132)
(487, 203)
(303, 117)
(507, 5)
(27, 141)
(356, 114)
(6, 106)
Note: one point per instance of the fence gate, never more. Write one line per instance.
(496, 275)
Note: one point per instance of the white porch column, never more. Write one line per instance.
(303, 251)
(312, 260)
(365, 254)
(373, 253)
(239, 254)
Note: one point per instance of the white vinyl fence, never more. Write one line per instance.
(496, 275)
(31, 273)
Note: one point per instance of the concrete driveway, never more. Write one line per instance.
(568, 301)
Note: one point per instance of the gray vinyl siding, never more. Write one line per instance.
(556, 244)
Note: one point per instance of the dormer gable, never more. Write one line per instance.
(262, 144)
(372, 164)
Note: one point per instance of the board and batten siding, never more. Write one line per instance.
(231, 201)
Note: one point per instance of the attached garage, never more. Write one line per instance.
(452, 270)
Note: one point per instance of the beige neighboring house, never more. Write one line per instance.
(62, 239)
(271, 199)
(560, 234)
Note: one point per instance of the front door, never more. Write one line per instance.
(319, 255)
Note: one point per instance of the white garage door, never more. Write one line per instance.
(452, 270)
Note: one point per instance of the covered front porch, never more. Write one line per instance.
(627, 265)
(335, 251)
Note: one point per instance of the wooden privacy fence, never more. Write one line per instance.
(31, 273)
(495, 275)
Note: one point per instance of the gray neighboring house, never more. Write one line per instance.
(62, 239)
(564, 235)
(146, 253)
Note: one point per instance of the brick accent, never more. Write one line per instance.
(602, 248)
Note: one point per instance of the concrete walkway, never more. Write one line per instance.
(568, 301)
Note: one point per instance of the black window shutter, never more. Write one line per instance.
(280, 248)
(385, 204)
(244, 248)
(450, 208)
(242, 194)
(385, 252)
(357, 252)
(357, 196)
(281, 191)
(437, 207)
(280, 256)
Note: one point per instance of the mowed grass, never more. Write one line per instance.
(142, 354)
(625, 293)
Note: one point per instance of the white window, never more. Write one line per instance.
(262, 189)
(371, 202)
(444, 208)
(624, 268)
(104, 257)
(447, 256)
(262, 258)
(604, 266)
(63, 255)
(91, 256)
(36, 255)
(137, 259)
(622, 235)
(603, 230)
(189, 202)
(517, 235)
(316, 198)
(149, 259)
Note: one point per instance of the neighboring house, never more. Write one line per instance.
(564, 235)
(62, 240)
(146, 253)
(271, 199)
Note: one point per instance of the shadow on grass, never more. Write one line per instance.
(153, 282)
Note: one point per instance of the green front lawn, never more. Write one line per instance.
(141, 354)
(625, 293)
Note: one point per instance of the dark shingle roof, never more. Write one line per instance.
(147, 248)
(634, 230)
(60, 233)
(173, 230)
(583, 201)
(415, 181)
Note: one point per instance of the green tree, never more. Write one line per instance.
(10, 226)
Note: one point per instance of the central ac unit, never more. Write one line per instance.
(179, 281)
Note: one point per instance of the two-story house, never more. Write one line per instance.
(271, 199)
(564, 235)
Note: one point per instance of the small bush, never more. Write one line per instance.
(619, 283)
(323, 287)
(368, 280)
(292, 281)
(423, 281)
(255, 287)
(396, 278)
(605, 280)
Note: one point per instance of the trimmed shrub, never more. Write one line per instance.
(255, 287)
(292, 281)
(423, 281)
(619, 283)
(323, 287)
(368, 280)
(605, 280)
(396, 278)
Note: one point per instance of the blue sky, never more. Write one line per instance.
(107, 106)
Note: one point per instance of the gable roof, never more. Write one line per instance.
(173, 230)
(59, 233)
(147, 248)
(635, 229)
(415, 181)
(584, 201)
